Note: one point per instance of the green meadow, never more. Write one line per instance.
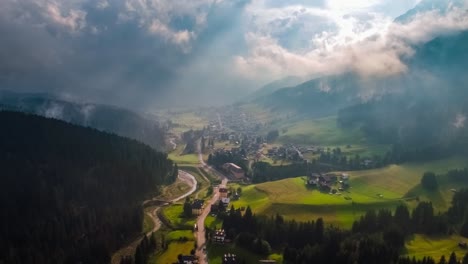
(178, 157)
(323, 131)
(170, 255)
(173, 213)
(213, 222)
(216, 252)
(370, 189)
(420, 246)
(178, 235)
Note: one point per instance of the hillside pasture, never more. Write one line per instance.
(170, 255)
(325, 132)
(173, 213)
(179, 157)
(370, 189)
(420, 246)
(216, 252)
(293, 200)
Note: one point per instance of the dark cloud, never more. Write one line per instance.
(117, 52)
(152, 53)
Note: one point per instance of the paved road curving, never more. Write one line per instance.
(200, 235)
(130, 248)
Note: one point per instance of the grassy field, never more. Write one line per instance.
(403, 180)
(322, 131)
(325, 132)
(215, 253)
(213, 222)
(174, 190)
(370, 189)
(174, 214)
(293, 200)
(422, 245)
(170, 255)
(177, 156)
(178, 235)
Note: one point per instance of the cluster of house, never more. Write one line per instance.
(292, 152)
(223, 202)
(327, 182)
(229, 259)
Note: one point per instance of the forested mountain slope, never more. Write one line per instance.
(71, 194)
(112, 119)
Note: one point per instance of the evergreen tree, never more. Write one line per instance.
(442, 260)
(465, 259)
(453, 259)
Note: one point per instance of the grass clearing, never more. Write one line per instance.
(179, 235)
(420, 246)
(174, 214)
(396, 181)
(323, 131)
(213, 222)
(170, 255)
(293, 200)
(216, 252)
(180, 158)
(370, 189)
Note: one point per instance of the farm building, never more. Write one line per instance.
(197, 207)
(235, 171)
(223, 192)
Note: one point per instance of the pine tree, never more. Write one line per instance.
(465, 259)
(453, 258)
(442, 260)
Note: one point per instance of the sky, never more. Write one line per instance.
(148, 54)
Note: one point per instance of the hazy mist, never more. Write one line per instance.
(146, 54)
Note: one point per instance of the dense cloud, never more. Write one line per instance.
(367, 43)
(149, 53)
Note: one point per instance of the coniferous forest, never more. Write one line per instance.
(71, 194)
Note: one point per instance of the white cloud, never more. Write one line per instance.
(351, 5)
(182, 37)
(102, 4)
(459, 121)
(369, 44)
(74, 19)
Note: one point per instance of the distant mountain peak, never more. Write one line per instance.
(441, 6)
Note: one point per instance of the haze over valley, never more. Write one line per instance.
(243, 131)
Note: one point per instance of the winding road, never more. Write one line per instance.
(130, 248)
(200, 234)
